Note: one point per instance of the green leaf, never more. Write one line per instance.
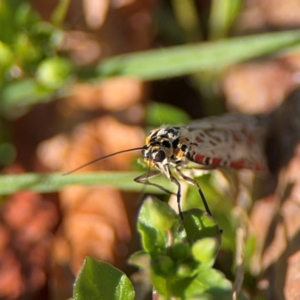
(60, 12)
(27, 52)
(25, 16)
(197, 225)
(205, 251)
(12, 13)
(209, 284)
(160, 284)
(140, 259)
(100, 281)
(54, 72)
(18, 95)
(180, 251)
(157, 213)
(155, 218)
(162, 265)
(6, 59)
(222, 15)
(162, 113)
(187, 17)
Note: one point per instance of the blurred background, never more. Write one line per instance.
(65, 100)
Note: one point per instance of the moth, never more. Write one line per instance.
(232, 140)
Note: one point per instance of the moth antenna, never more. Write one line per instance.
(102, 158)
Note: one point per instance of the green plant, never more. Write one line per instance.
(177, 256)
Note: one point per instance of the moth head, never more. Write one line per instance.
(163, 148)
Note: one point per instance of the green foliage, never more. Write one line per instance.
(31, 69)
(178, 256)
(222, 16)
(7, 153)
(30, 60)
(98, 280)
(158, 114)
(28, 38)
(52, 72)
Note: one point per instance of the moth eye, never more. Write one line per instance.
(160, 156)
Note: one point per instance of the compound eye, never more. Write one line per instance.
(160, 156)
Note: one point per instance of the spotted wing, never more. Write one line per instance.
(235, 141)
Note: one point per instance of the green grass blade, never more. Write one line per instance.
(182, 60)
(52, 182)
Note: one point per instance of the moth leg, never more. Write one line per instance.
(144, 179)
(195, 183)
(178, 194)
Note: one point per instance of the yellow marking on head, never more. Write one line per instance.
(149, 162)
(148, 139)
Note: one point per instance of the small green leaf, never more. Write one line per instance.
(184, 271)
(25, 15)
(162, 265)
(100, 281)
(209, 284)
(140, 259)
(6, 58)
(205, 251)
(27, 52)
(197, 225)
(19, 94)
(60, 12)
(180, 251)
(53, 72)
(158, 213)
(155, 218)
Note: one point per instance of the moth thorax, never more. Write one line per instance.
(179, 153)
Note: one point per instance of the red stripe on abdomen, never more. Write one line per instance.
(238, 164)
(216, 161)
(199, 158)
